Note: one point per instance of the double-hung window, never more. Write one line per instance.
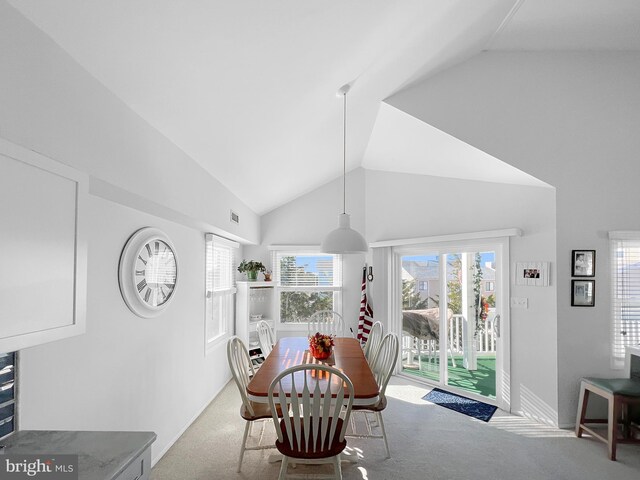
(220, 287)
(625, 292)
(308, 282)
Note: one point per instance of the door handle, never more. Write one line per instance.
(496, 325)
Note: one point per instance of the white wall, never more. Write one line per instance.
(570, 119)
(410, 206)
(307, 220)
(125, 373)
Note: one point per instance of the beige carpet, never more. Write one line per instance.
(427, 442)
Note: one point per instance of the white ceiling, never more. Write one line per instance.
(571, 25)
(247, 88)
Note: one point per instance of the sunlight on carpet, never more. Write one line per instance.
(517, 425)
(527, 428)
(408, 393)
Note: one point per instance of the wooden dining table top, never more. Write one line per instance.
(292, 351)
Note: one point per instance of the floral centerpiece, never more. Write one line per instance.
(321, 345)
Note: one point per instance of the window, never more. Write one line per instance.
(220, 287)
(423, 286)
(308, 282)
(490, 287)
(625, 292)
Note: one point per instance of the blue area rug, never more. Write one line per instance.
(472, 408)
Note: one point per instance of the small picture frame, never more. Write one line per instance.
(532, 274)
(583, 263)
(583, 293)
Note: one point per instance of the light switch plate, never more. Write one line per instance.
(519, 302)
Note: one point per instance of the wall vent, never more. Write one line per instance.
(235, 218)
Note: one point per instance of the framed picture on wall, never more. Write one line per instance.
(583, 293)
(533, 274)
(583, 263)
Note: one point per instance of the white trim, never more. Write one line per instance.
(81, 180)
(502, 247)
(315, 249)
(507, 232)
(624, 235)
(222, 240)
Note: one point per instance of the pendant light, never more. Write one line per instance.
(344, 239)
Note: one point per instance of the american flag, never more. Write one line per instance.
(365, 319)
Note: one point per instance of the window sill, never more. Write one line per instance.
(215, 342)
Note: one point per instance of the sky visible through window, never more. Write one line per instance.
(310, 263)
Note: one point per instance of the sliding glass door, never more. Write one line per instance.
(453, 299)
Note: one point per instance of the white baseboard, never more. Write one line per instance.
(156, 458)
(537, 419)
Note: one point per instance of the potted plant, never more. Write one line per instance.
(251, 268)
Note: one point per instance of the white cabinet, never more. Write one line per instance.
(253, 300)
(42, 249)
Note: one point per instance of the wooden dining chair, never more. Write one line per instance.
(242, 370)
(384, 361)
(266, 337)
(319, 407)
(373, 342)
(327, 322)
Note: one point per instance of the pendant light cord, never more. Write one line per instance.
(344, 157)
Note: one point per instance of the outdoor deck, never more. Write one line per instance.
(481, 381)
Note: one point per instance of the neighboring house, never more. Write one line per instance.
(426, 278)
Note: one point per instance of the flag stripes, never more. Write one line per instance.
(365, 319)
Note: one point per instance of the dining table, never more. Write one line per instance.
(347, 357)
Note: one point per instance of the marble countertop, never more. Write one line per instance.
(101, 455)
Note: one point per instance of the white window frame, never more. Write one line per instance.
(305, 251)
(620, 240)
(227, 290)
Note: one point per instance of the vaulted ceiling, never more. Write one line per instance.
(247, 88)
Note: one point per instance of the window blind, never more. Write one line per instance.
(307, 270)
(625, 292)
(221, 263)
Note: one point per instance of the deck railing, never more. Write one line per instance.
(485, 337)
(413, 347)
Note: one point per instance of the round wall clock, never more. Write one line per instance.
(148, 272)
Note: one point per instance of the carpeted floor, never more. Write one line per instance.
(427, 442)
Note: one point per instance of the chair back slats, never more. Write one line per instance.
(319, 396)
(241, 368)
(266, 337)
(326, 322)
(384, 361)
(373, 342)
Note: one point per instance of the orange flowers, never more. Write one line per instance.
(321, 342)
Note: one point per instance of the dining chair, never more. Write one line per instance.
(266, 337)
(373, 341)
(384, 361)
(319, 408)
(327, 322)
(242, 370)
